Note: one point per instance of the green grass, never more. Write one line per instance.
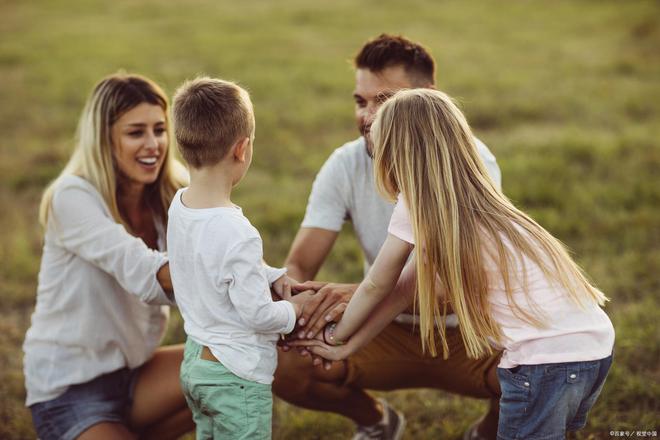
(566, 94)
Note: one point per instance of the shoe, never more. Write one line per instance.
(391, 427)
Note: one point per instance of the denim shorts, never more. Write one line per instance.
(106, 398)
(542, 402)
(224, 405)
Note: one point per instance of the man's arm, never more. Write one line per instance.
(308, 252)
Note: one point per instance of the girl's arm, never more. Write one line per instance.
(400, 298)
(380, 281)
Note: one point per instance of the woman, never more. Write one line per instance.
(92, 367)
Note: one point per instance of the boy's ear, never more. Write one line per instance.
(240, 148)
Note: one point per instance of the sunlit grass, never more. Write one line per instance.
(565, 93)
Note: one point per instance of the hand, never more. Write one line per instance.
(281, 284)
(300, 301)
(327, 305)
(319, 348)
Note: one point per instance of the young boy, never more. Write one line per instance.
(220, 279)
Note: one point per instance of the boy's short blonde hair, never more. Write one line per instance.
(210, 115)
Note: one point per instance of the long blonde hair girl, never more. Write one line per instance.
(425, 150)
(92, 157)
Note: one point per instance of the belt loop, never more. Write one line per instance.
(198, 350)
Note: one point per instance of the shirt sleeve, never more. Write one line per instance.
(249, 291)
(400, 225)
(491, 163)
(273, 273)
(82, 225)
(327, 207)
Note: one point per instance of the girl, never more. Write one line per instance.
(92, 366)
(512, 285)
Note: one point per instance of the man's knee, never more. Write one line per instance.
(493, 382)
(292, 376)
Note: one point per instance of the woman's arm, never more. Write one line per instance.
(380, 281)
(164, 279)
(81, 225)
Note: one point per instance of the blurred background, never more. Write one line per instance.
(565, 93)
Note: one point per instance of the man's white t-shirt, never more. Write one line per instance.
(345, 189)
(221, 286)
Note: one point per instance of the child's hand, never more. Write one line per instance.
(282, 286)
(299, 301)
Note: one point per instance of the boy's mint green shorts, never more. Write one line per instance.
(224, 406)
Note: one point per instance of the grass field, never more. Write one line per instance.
(565, 93)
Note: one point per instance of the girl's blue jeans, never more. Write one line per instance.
(542, 402)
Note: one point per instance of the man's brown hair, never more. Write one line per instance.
(210, 115)
(394, 50)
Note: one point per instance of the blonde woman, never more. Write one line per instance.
(511, 284)
(92, 364)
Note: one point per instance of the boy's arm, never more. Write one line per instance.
(380, 281)
(273, 273)
(249, 290)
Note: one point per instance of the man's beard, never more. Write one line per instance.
(366, 134)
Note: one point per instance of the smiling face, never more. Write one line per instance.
(139, 144)
(371, 90)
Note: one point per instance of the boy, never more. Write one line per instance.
(220, 279)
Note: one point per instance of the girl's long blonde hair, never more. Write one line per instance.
(425, 150)
(92, 157)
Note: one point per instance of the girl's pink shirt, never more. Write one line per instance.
(570, 333)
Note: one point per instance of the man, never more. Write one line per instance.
(344, 189)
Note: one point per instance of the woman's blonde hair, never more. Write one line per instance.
(425, 150)
(92, 158)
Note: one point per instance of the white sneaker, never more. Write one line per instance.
(391, 427)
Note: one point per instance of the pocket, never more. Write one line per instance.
(514, 402)
(518, 382)
(226, 403)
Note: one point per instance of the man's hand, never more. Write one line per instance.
(327, 305)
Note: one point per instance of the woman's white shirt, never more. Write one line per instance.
(99, 305)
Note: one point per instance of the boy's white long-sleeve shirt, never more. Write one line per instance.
(222, 288)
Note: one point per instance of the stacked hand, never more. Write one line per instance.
(324, 306)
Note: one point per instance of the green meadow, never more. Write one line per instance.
(565, 93)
